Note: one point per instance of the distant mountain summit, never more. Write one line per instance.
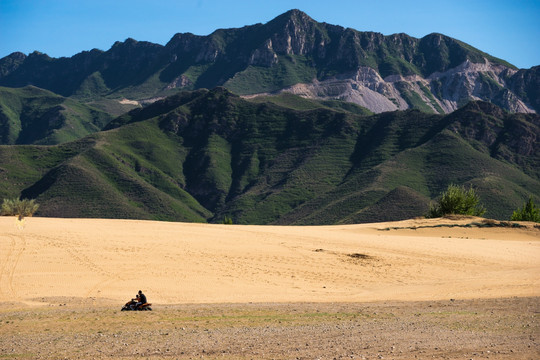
(291, 53)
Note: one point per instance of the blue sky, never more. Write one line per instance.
(506, 29)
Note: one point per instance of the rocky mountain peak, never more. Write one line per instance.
(293, 32)
(16, 56)
(11, 62)
(294, 16)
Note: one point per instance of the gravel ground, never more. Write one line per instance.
(452, 329)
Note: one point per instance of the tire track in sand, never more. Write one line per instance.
(5, 269)
(107, 277)
(76, 250)
(9, 266)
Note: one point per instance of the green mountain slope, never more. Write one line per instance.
(31, 115)
(204, 155)
(132, 172)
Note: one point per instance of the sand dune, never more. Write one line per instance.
(198, 263)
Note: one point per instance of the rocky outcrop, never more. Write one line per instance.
(264, 56)
(180, 82)
(441, 92)
(526, 85)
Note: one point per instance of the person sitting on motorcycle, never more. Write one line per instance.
(141, 299)
(133, 303)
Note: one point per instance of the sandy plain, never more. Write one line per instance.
(424, 288)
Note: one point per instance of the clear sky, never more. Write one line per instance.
(508, 29)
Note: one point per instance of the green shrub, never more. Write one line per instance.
(529, 213)
(457, 200)
(227, 220)
(20, 208)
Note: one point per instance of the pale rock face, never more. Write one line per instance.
(180, 82)
(264, 56)
(442, 92)
(511, 102)
(466, 81)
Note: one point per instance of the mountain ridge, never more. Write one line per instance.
(395, 72)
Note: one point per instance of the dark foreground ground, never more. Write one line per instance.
(458, 329)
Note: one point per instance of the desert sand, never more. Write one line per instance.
(416, 289)
(180, 263)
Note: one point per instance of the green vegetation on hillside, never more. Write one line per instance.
(210, 155)
(31, 115)
(289, 70)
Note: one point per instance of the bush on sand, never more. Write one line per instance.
(457, 200)
(529, 212)
(19, 208)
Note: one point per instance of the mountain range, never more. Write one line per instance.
(304, 123)
(291, 53)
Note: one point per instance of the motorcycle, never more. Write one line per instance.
(132, 306)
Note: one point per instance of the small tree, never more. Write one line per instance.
(19, 208)
(457, 200)
(529, 213)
